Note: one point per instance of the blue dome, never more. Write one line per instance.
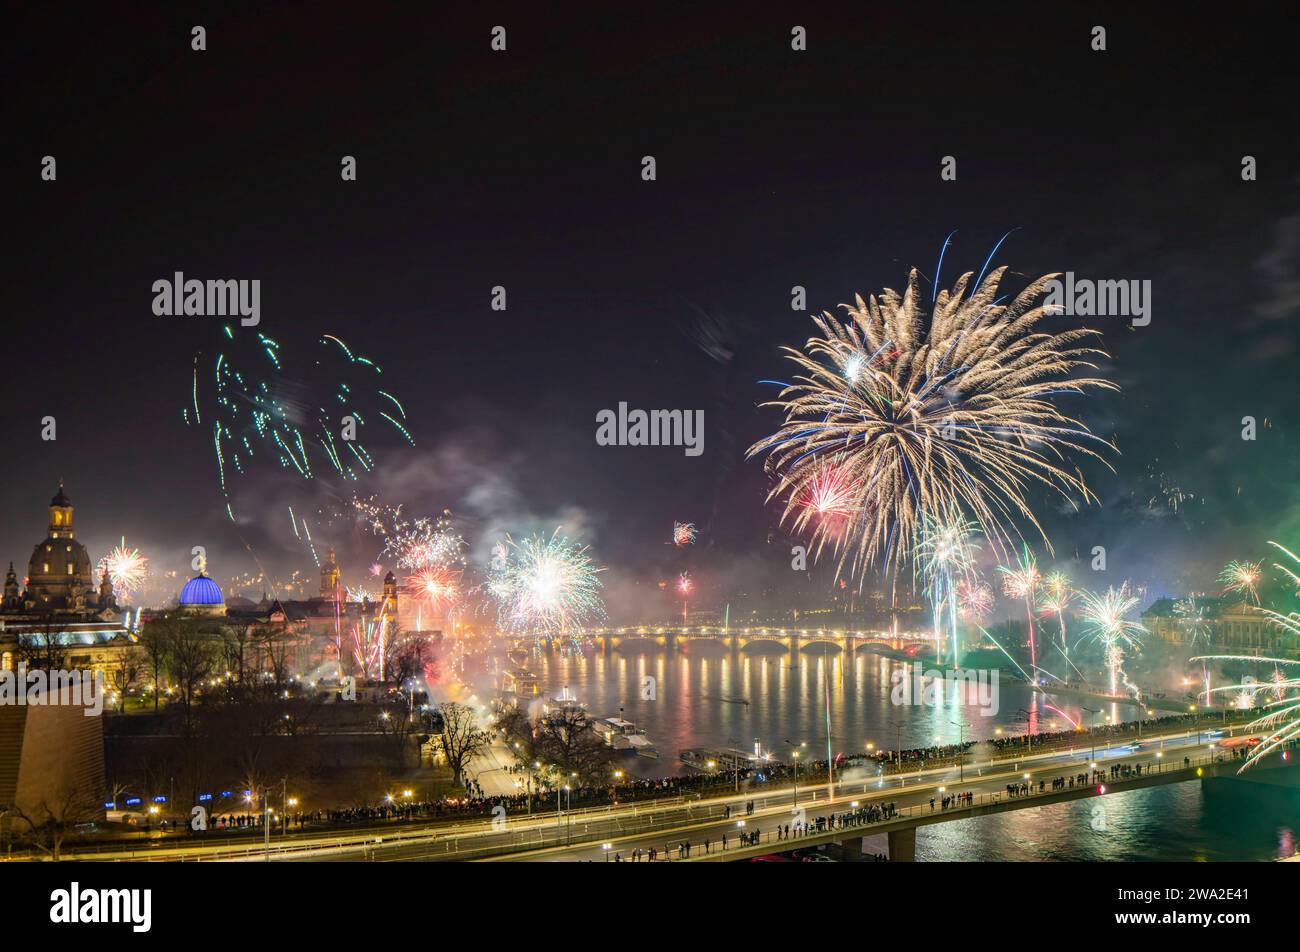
(201, 590)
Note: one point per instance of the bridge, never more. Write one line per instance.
(736, 638)
(917, 806)
(600, 833)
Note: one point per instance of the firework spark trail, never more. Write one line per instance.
(369, 644)
(1005, 652)
(1070, 663)
(1192, 611)
(258, 408)
(1290, 573)
(1107, 624)
(1022, 582)
(1057, 598)
(946, 554)
(1052, 707)
(953, 411)
(545, 586)
(684, 533)
(685, 585)
(1282, 722)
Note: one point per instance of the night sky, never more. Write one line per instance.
(522, 169)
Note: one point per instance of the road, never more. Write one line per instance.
(580, 834)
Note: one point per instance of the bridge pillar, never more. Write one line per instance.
(902, 846)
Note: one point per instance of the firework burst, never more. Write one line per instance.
(318, 421)
(435, 586)
(974, 599)
(1107, 624)
(1192, 612)
(684, 533)
(546, 586)
(127, 570)
(1022, 581)
(1243, 578)
(369, 638)
(946, 554)
(929, 415)
(1055, 600)
(1281, 721)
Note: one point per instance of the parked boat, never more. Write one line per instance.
(722, 759)
(622, 735)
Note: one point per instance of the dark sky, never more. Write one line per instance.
(522, 169)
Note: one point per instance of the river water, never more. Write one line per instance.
(708, 696)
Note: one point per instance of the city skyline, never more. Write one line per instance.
(863, 434)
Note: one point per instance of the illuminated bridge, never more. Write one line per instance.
(792, 639)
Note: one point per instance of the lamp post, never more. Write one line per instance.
(736, 758)
(796, 766)
(1028, 735)
(961, 750)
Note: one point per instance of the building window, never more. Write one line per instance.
(7, 661)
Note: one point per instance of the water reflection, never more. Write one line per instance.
(707, 695)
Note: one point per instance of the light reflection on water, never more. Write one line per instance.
(698, 693)
(1222, 820)
(709, 696)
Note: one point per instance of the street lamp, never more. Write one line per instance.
(1028, 735)
(961, 750)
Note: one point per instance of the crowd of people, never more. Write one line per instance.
(1047, 740)
(685, 849)
(752, 778)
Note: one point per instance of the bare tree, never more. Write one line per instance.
(459, 739)
(565, 738)
(42, 651)
(275, 644)
(124, 673)
(191, 658)
(237, 648)
(52, 820)
(517, 729)
(156, 641)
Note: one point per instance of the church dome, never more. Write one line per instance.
(202, 594)
(58, 570)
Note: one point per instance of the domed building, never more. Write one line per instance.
(202, 596)
(59, 574)
(59, 603)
